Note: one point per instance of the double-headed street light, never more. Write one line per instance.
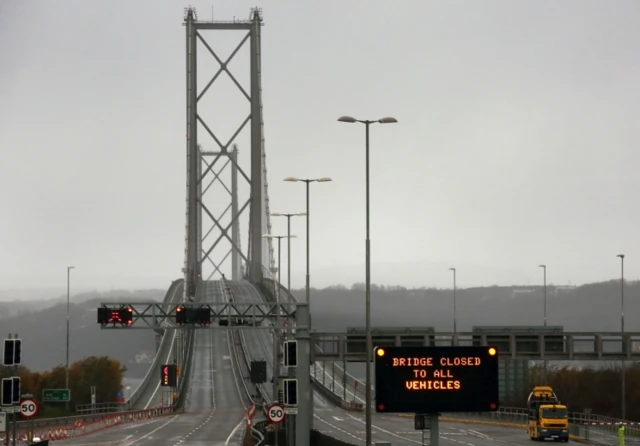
(369, 347)
(69, 268)
(308, 181)
(308, 280)
(278, 214)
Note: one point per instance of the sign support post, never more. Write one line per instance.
(303, 372)
(434, 426)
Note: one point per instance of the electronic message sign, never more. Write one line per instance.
(168, 375)
(436, 379)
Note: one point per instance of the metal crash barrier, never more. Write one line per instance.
(58, 429)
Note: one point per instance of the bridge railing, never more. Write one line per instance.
(166, 337)
(589, 426)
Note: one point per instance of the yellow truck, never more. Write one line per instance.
(547, 417)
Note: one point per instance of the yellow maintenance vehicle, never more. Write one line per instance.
(547, 417)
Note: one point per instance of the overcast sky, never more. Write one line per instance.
(517, 141)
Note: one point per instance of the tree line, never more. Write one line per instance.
(589, 388)
(104, 373)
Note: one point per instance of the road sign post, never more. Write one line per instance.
(56, 395)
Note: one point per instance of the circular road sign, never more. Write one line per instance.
(275, 413)
(28, 408)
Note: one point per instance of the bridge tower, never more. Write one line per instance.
(206, 152)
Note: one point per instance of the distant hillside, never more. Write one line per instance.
(15, 302)
(589, 307)
(44, 332)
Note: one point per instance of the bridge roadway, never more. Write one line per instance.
(152, 395)
(350, 426)
(214, 410)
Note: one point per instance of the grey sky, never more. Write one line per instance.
(516, 144)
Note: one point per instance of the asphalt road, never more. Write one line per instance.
(152, 394)
(214, 410)
(350, 426)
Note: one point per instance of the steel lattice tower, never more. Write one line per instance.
(203, 166)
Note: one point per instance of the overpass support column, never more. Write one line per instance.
(303, 374)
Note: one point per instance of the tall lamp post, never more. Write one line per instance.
(455, 315)
(276, 326)
(308, 181)
(369, 347)
(69, 268)
(278, 214)
(544, 306)
(624, 377)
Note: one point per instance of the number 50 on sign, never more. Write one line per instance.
(28, 408)
(275, 413)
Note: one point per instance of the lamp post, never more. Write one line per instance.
(278, 214)
(544, 306)
(455, 315)
(303, 388)
(69, 268)
(369, 347)
(276, 326)
(308, 181)
(624, 377)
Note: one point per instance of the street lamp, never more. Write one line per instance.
(455, 316)
(308, 283)
(276, 326)
(278, 214)
(69, 268)
(369, 347)
(308, 181)
(624, 377)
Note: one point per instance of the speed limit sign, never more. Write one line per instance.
(275, 413)
(28, 408)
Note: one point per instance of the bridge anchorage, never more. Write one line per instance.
(208, 157)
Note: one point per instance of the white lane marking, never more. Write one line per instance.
(152, 432)
(338, 429)
(406, 438)
(233, 432)
(153, 397)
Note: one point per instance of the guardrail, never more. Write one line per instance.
(587, 426)
(135, 395)
(64, 428)
(101, 408)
